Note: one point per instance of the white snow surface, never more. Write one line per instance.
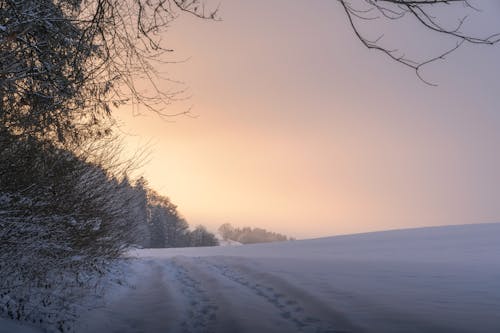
(441, 279)
(226, 242)
(11, 326)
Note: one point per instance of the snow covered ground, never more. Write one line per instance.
(10, 326)
(444, 279)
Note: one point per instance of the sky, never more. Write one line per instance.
(297, 128)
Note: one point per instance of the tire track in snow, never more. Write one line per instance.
(289, 308)
(200, 312)
(142, 304)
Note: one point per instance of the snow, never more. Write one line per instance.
(226, 242)
(229, 242)
(443, 279)
(10, 326)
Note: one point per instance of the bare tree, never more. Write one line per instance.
(64, 63)
(432, 16)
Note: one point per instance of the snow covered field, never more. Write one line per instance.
(444, 279)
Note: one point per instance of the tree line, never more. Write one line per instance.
(248, 235)
(65, 217)
(163, 226)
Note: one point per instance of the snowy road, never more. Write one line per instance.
(196, 294)
(424, 280)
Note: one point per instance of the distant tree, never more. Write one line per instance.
(177, 228)
(158, 227)
(142, 213)
(201, 237)
(167, 227)
(247, 235)
(226, 231)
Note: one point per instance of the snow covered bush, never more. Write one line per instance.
(62, 220)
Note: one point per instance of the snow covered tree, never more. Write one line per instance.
(168, 227)
(226, 230)
(200, 236)
(247, 235)
(142, 213)
(158, 227)
(64, 63)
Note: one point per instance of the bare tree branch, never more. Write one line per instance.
(423, 14)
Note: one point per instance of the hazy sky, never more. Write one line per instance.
(301, 130)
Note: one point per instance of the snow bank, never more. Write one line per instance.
(439, 279)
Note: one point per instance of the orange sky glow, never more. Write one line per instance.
(299, 129)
